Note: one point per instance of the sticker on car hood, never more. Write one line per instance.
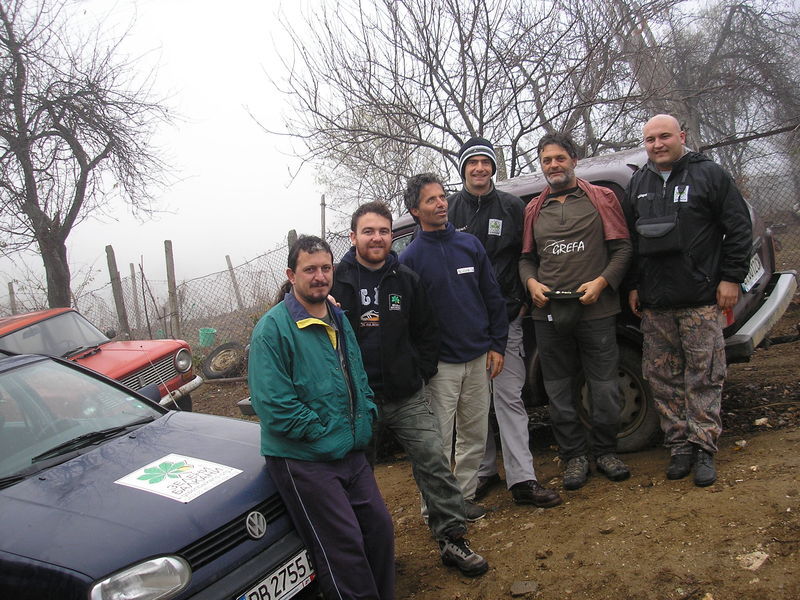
(180, 478)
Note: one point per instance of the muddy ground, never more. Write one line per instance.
(642, 539)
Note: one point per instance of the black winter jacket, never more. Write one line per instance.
(496, 219)
(409, 331)
(715, 233)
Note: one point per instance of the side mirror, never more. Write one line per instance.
(111, 334)
(150, 391)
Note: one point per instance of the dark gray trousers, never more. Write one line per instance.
(591, 347)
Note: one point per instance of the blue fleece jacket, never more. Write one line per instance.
(465, 295)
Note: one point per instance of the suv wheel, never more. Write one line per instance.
(640, 426)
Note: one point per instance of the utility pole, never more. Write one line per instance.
(322, 216)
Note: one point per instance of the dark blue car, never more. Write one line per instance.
(106, 495)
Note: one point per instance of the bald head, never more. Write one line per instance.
(664, 140)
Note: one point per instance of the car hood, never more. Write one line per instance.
(56, 515)
(117, 359)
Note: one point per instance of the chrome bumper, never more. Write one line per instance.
(182, 391)
(741, 345)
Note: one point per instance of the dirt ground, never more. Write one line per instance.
(642, 539)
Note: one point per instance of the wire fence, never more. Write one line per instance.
(224, 306)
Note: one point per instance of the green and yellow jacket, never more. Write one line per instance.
(299, 389)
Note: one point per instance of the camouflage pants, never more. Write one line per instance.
(683, 359)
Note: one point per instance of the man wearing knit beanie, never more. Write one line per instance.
(496, 219)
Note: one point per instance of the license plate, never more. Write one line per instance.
(284, 582)
(753, 274)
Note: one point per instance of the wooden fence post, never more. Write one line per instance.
(235, 283)
(136, 313)
(12, 298)
(116, 288)
(175, 322)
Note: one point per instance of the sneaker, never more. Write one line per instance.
(612, 467)
(531, 492)
(704, 472)
(457, 553)
(486, 484)
(473, 512)
(680, 465)
(576, 472)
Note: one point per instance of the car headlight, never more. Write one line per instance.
(156, 579)
(183, 360)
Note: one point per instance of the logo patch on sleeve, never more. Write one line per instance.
(495, 227)
(395, 302)
(464, 270)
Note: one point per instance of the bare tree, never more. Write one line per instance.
(378, 88)
(75, 130)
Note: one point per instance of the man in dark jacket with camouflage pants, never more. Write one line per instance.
(692, 236)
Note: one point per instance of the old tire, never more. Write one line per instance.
(226, 360)
(640, 426)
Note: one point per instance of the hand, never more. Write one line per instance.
(333, 301)
(633, 302)
(591, 290)
(537, 291)
(494, 363)
(727, 294)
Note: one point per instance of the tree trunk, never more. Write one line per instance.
(54, 258)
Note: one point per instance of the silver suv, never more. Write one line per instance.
(766, 294)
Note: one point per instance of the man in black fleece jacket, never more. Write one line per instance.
(398, 334)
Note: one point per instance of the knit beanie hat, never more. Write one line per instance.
(476, 147)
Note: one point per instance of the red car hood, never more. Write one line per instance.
(118, 359)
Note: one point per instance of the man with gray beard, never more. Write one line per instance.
(575, 251)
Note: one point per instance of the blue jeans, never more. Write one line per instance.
(591, 347)
(417, 430)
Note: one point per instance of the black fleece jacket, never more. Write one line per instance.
(715, 231)
(496, 219)
(409, 331)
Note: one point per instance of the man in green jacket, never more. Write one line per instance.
(309, 388)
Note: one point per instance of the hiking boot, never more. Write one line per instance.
(473, 512)
(680, 465)
(612, 467)
(457, 553)
(486, 484)
(576, 472)
(531, 492)
(704, 472)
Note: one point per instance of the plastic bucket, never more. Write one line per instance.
(207, 336)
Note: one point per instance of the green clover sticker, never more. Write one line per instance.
(157, 474)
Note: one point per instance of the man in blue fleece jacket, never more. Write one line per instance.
(472, 319)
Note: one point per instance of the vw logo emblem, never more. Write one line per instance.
(256, 524)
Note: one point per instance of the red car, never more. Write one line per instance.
(137, 363)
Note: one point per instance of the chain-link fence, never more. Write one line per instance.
(766, 168)
(223, 307)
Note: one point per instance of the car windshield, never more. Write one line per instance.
(46, 404)
(61, 335)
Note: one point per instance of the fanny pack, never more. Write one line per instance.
(659, 235)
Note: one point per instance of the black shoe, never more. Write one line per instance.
(486, 484)
(531, 492)
(456, 553)
(704, 472)
(680, 465)
(612, 467)
(576, 472)
(472, 511)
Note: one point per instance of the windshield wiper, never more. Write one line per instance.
(76, 350)
(88, 439)
(32, 469)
